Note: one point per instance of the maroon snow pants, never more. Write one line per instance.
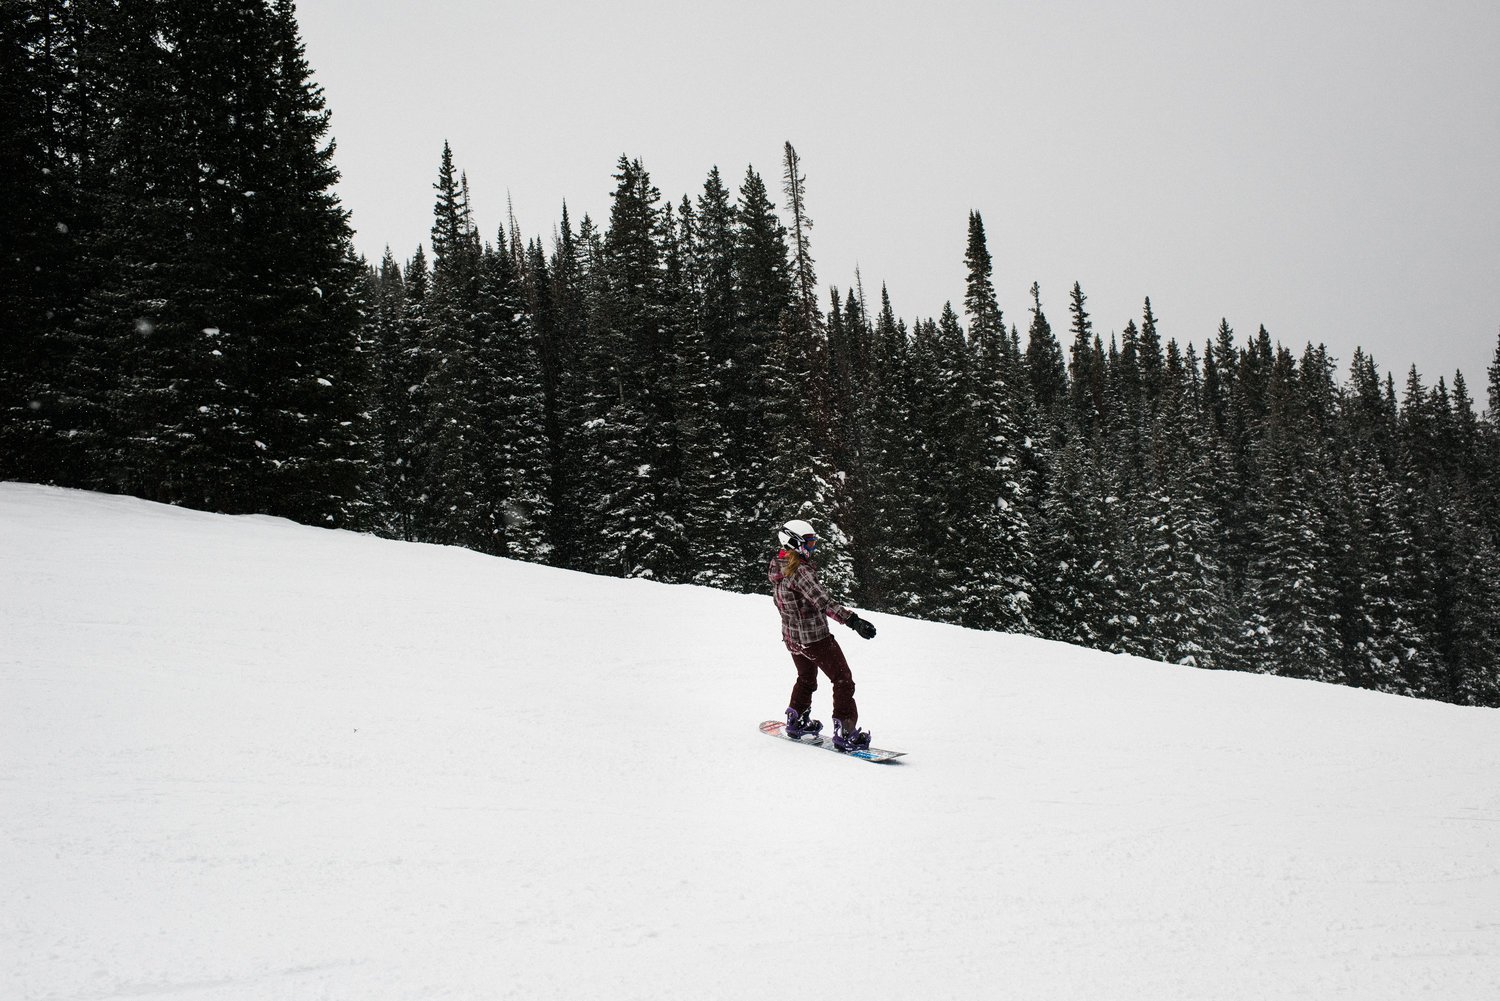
(826, 656)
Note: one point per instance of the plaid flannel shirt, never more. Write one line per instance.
(804, 605)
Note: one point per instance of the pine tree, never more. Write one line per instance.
(803, 276)
(1384, 646)
(133, 352)
(763, 283)
(409, 412)
(453, 233)
(513, 489)
(1181, 595)
(1292, 622)
(216, 358)
(925, 588)
(994, 500)
(453, 435)
(43, 212)
(1085, 366)
(893, 481)
(986, 324)
(1152, 361)
(314, 313)
(565, 352)
(1044, 360)
(629, 441)
(1071, 583)
(717, 414)
(708, 487)
(393, 381)
(802, 420)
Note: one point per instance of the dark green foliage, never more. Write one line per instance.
(630, 444)
(1044, 361)
(41, 146)
(197, 336)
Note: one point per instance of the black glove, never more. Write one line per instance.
(865, 629)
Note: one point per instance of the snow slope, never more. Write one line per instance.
(241, 758)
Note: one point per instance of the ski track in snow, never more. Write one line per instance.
(241, 758)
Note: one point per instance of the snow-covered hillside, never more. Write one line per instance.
(241, 758)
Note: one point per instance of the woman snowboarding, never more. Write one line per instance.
(805, 609)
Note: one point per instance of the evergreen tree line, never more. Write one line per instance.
(179, 294)
(650, 397)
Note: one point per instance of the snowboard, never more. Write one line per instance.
(777, 728)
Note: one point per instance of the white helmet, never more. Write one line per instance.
(797, 536)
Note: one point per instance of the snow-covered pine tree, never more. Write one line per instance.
(851, 364)
(218, 359)
(452, 436)
(1044, 361)
(304, 291)
(763, 289)
(891, 482)
(1488, 501)
(511, 459)
(1469, 628)
(1086, 372)
(997, 501)
(122, 395)
(385, 321)
(409, 403)
(1180, 596)
(628, 444)
(803, 479)
(1152, 360)
(1068, 605)
(1384, 646)
(707, 485)
(567, 382)
(712, 254)
(719, 414)
(1290, 599)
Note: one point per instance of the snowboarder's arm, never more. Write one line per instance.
(808, 586)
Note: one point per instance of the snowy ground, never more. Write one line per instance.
(240, 758)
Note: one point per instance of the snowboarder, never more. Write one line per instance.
(805, 609)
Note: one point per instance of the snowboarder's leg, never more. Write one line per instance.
(807, 682)
(830, 658)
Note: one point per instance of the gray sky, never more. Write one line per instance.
(1328, 169)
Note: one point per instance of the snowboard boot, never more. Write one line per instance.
(847, 737)
(798, 724)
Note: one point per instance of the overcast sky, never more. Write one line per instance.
(1328, 169)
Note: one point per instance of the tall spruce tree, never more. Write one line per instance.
(512, 469)
(216, 358)
(1181, 596)
(893, 481)
(995, 503)
(453, 437)
(801, 414)
(1044, 360)
(1290, 600)
(631, 444)
(986, 323)
(707, 487)
(763, 283)
(566, 380)
(386, 322)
